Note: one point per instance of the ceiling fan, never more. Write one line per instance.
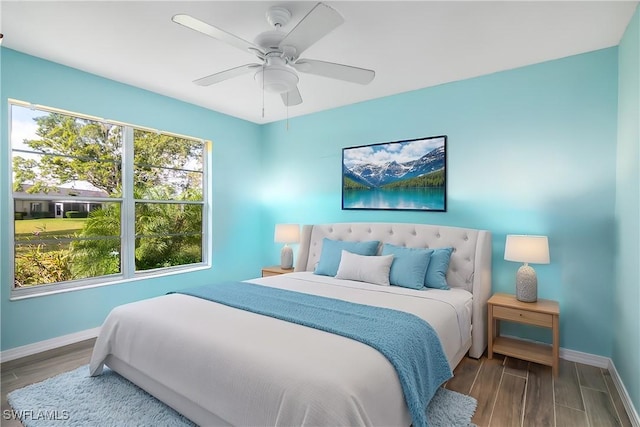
(279, 52)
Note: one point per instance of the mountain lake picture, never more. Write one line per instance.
(402, 175)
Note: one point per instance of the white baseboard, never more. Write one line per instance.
(50, 344)
(585, 358)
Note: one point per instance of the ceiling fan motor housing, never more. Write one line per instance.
(269, 40)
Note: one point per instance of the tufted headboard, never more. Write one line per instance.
(469, 268)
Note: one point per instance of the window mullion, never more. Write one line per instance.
(127, 219)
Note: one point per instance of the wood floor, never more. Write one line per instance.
(510, 392)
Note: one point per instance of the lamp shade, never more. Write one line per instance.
(529, 249)
(287, 233)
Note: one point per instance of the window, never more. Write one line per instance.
(97, 201)
(168, 193)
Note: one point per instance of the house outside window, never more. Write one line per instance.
(96, 202)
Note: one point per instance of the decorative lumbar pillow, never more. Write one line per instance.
(370, 269)
(409, 267)
(332, 252)
(437, 271)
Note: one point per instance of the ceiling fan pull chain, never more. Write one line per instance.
(287, 111)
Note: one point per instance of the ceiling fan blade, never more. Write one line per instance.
(215, 32)
(292, 97)
(224, 75)
(319, 22)
(335, 71)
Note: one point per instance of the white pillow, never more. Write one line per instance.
(370, 269)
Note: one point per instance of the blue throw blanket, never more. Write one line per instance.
(410, 343)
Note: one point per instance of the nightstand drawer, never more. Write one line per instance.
(523, 316)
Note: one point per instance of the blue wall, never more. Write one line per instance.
(530, 150)
(235, 211)
(626, 341)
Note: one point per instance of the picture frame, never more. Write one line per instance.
(406, 175)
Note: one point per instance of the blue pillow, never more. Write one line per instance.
(437, 272)
(332, 251)
(409, 266)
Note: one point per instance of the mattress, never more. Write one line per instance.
(220, 365)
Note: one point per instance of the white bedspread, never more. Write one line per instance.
(250, 369)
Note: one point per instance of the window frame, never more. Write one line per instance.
(127, 227)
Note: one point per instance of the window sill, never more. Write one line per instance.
(39, 291)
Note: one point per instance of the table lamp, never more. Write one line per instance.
(527, 249)
(287, 233)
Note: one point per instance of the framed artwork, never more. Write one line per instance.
(400, 175)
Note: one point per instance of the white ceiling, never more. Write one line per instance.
(410, 45)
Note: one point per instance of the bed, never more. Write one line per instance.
(219, 365)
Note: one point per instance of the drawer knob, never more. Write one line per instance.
(520, 314)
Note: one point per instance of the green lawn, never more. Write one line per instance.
(48, 227)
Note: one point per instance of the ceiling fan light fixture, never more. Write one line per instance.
(276, 78)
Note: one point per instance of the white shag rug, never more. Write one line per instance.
(76, 399)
